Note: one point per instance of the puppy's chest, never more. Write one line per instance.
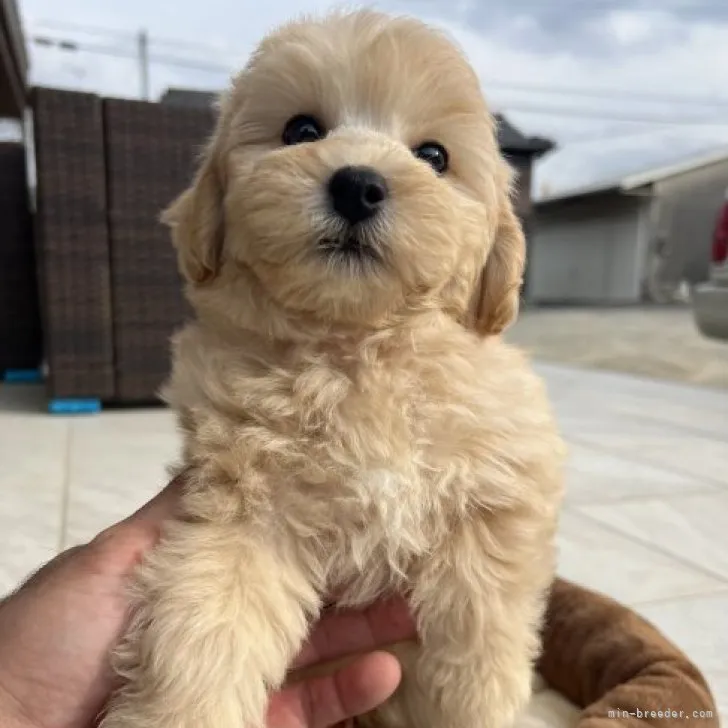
(385, 439)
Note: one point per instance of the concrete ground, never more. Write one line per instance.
(646, 516)
(660, 342)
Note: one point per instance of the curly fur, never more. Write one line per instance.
(349, 429)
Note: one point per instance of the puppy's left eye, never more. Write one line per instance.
(434, 154)
(302, 128)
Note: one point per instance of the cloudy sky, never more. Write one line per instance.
(620, 85)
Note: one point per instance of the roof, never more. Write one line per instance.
(511, 139)
(189, 98)
(633, 182)
(13, 61)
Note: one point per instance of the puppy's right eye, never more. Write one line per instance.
(302, 128)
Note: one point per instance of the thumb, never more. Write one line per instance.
(160, 508)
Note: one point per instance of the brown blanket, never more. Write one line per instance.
(621, 670)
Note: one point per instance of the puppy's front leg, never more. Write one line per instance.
(479, 601)
(222, 610)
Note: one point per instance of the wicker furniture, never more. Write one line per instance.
(72, 244)
(110, 292)
(20, 331)
(151, 151)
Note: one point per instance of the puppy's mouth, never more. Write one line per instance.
(351, 249)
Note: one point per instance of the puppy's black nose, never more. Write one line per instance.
(357, 193)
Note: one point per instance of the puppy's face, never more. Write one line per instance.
(355, 174)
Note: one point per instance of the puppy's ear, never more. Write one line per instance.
(497, 297)
(197, 222)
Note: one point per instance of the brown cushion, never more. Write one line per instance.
(604, 657)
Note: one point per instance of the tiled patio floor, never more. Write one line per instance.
(646, 516)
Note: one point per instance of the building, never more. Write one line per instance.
(521, 151)
(13, 62)
(643, 237)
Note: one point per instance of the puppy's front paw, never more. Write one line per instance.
(478, 633)
(473, 694)
(496, 702)
(220, 618)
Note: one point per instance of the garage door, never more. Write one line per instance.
(584, 260)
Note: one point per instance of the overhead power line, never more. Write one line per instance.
(169, 60)
(73, 45)
(144, 57)
(129, 35)
(681, 7)
(593, 92)
(62, 25)
(607, 93)
(575, 112)
(654, 5)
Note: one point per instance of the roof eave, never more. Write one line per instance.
(643, 190)
(577, 195)
(535, 146)
(13, 61)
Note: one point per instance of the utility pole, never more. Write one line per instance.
(143, 54)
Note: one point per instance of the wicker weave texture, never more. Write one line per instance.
(20, 330)
(151, 151)
(72, 243)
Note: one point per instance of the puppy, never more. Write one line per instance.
(353, 422)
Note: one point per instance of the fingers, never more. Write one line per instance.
(120, 547)
(348, 632)
(325, 701)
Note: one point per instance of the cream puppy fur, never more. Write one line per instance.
(353, 422)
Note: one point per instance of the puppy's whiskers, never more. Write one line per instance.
(353, 251)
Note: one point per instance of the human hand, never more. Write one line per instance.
(57, 630)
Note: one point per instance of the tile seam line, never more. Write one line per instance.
(646, 461)
(66, 491)
(705, 491)
(657, 549)
(717, 592)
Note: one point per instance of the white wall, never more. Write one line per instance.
(588, 252)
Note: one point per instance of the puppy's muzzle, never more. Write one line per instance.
(357, 194)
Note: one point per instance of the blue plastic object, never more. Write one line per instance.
(74, 406)
(24, 376)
